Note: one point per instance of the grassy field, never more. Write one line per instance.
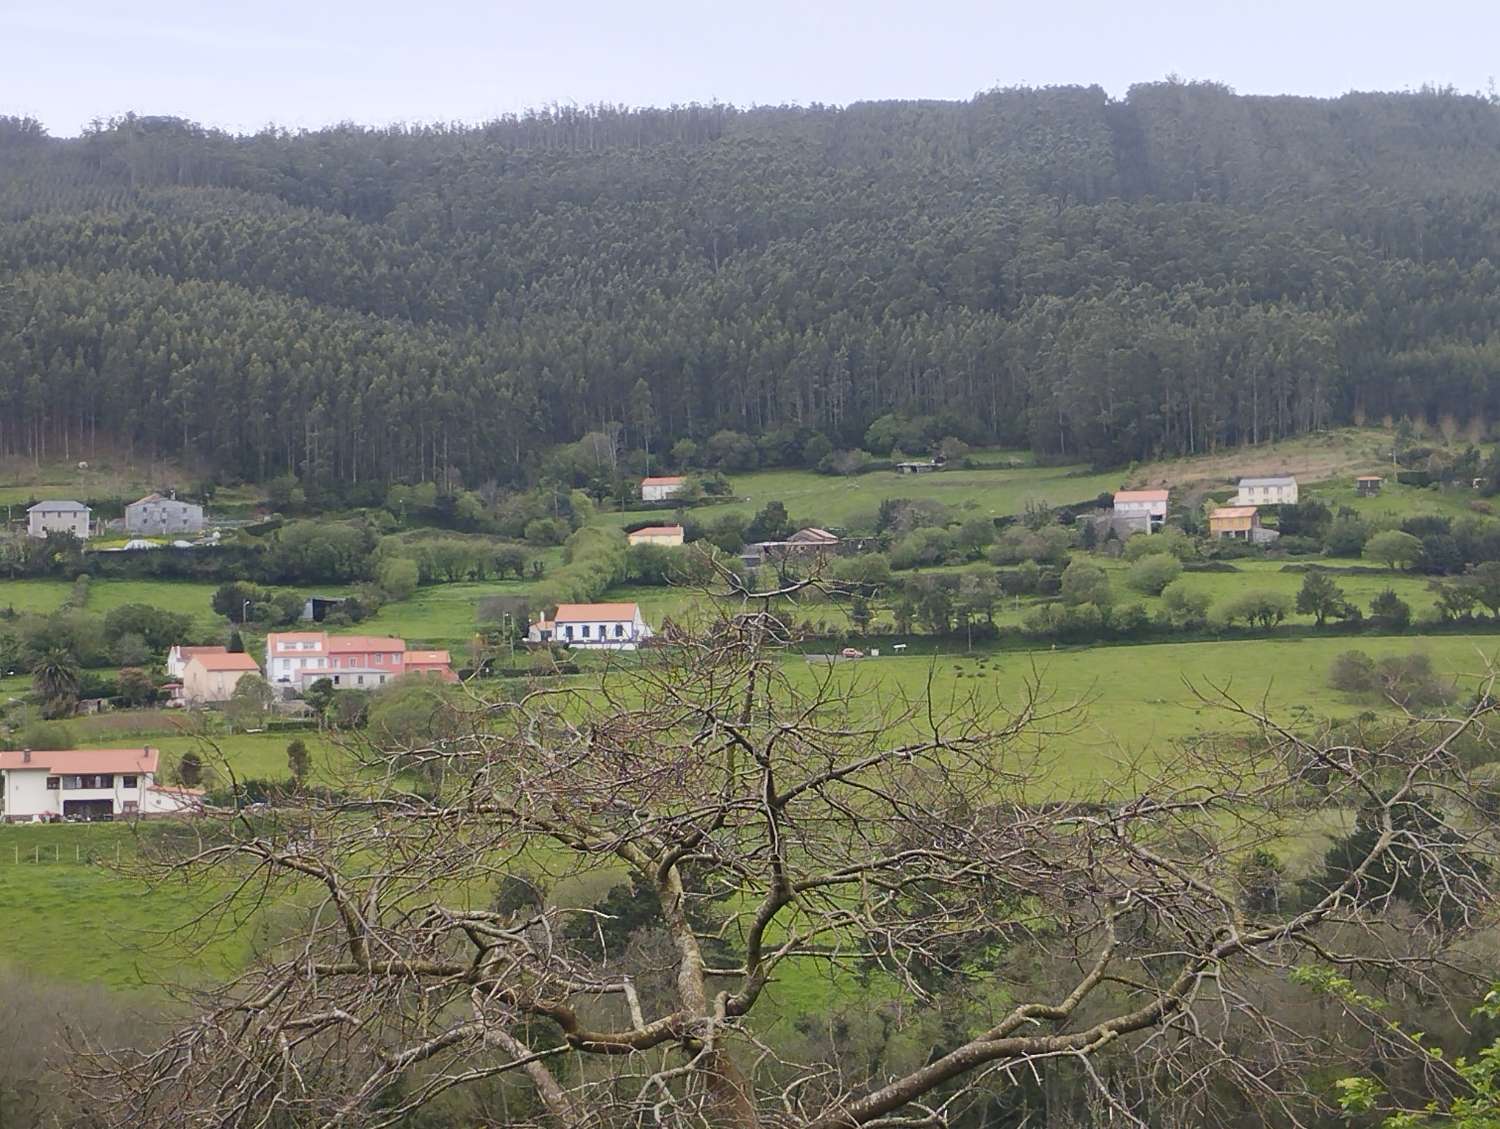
(183, 596)
(832, 500)
(69, 914)
(1137, 701)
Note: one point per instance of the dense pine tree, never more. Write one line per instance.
(1096, 279)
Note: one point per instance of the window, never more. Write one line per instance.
(53, 783)
(379, 659)
(361, 680)
(585, 631)
(569, 630)
(619, 630)
(128, 782)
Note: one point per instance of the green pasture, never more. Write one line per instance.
(1134, 704)
(440, 615)
(1395, 502)
(68, 913)
(185, 596)
(833, 500)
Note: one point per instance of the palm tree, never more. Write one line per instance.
(55, 677)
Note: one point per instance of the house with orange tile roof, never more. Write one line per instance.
(435, 664)
(87, 784)
(297, 659)
(609, 627)
(208, 678)
(178, 656)
(656, 535)
(662, 487)
(1144, 509)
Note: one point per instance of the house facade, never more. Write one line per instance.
(1148, 504)
(157, 514)
(656, 535)
(810, 543)
(297, 659)
(60, 516)
(1279, 491)
(661, 488)
(1236, 522)
(610, 627)
(208, 678)
(432, 664)
(86, 784)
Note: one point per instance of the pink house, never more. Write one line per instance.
(297, 659)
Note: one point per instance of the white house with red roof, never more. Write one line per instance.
(297, 659)
(660, 488)
(91, 784)
(1139, 505)
(609, 627)
(177, 658)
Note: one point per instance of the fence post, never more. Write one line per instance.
(36, 854)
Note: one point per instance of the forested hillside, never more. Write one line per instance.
(1095, 279)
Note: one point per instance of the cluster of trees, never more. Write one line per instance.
(1094, 278)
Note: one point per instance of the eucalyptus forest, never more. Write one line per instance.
(1096, 279)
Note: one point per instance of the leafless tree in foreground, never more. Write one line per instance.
(778, 817)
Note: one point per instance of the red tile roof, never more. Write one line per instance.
(343, 644)
(666, 480)
(656, 530)
(574, 612)
(226, 661)
(427, 658)
(1140, 495)
(86, 762)
(1233, 511)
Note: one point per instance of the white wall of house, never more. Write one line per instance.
(27, 796)
(40, 522)
(607, 634)
(660, 491)
(163, 515)
(1262, 494)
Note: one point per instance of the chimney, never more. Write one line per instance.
(25, 756)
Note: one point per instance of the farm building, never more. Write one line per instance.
(58, 517)
(90, 784)
(1368, 484)
(656, 535)
(661, 488)
(157, 514)
(212, 677)
(808, 543)
(919, 466)
(1278, 491)
(1150, 504)
(1241, 523)
(610, 627)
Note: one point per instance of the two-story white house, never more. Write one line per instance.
(1137, 504)
(661, 488)
(90, 784)
(610, 627)
(58, 517)
(1277, 491)
(156, 514)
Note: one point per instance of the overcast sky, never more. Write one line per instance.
(295, 63)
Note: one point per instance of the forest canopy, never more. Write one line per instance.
(1097, 279)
